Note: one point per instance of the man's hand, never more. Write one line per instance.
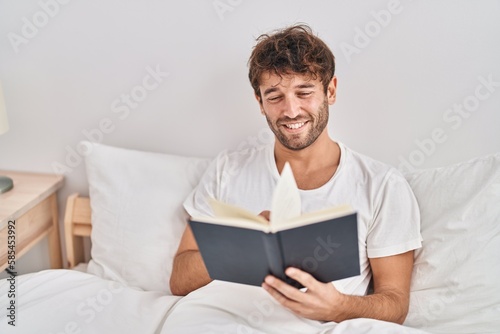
(321, 301)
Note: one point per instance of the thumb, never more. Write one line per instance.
(266, 214)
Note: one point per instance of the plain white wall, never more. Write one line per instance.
(404, 69)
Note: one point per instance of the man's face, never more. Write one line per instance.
(296, 108)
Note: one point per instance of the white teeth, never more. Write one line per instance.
(295, 125)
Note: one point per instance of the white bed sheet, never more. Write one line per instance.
(67, 301)
(222, 307)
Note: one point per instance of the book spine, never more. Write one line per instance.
(275, 260)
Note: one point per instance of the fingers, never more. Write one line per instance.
(300, 303)
(282, 290)
(282, 299)
(290, 292)
(285, 290)
(288, 296)
(306, 279)
(317, 302)
(266, 214)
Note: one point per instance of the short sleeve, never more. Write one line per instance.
(395, 228)
(197, 203)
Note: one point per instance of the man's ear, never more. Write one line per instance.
(257, 97)
(331, 91)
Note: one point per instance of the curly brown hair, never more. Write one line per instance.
(291, 50)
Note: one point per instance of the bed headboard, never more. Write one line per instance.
(77, 225)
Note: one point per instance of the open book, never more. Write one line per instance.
(239, 246)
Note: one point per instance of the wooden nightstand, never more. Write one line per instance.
(32, 203)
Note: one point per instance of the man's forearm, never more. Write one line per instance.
(188, 273)
(388, 306)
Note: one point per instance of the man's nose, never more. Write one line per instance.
(291, 107)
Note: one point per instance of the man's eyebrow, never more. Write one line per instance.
(299, 86)
(270, 90)
(306, 85)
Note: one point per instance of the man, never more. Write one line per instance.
(292, 74)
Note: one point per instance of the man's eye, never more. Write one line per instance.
(274, 98)
(304, 94)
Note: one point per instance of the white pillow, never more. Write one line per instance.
(137, 215)
(456, 278)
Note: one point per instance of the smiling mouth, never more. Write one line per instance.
(294, 126)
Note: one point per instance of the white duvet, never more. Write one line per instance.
(223, 308)
(64, 301)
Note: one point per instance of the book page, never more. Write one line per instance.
(317, 217)
(234, 222)
(224, 210)
(286, 202)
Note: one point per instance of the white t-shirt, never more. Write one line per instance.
(388, 213)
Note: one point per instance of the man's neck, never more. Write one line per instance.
(312, 166)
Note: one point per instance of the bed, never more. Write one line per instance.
(134, 218)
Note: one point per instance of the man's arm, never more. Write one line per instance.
(321, 301)
(189, 272)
